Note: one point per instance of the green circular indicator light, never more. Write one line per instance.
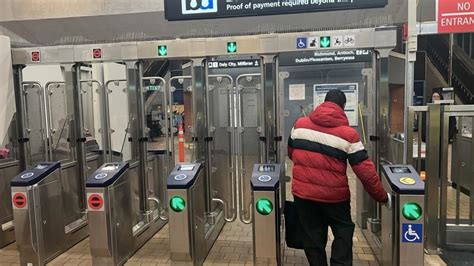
(264, 206)
(177, 204)
(412, 211)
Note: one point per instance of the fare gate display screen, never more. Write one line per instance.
(186, 168)
(266, 168)
(400, 170)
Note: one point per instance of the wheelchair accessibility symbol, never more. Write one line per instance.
(412, 233)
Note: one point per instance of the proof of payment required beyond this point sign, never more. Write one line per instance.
(209, 9)
(455, 16)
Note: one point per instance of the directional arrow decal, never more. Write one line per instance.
(162, 50)
(325, 42)
(231, 47)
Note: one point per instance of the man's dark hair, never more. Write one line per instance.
(336, 96)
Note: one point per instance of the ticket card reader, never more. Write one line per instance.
(109, 214)
(37, 213)
(402, 225)
(267, 204)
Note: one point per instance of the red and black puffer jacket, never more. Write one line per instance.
(320, 147)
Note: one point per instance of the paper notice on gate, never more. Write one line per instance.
(297, 92)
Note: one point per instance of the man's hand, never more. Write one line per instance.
(388, 204)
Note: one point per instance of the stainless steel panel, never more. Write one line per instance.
(48, 55)
(70, 183)
(410, 254)
(199, 223)
(7, 172)
(109, 52)
(120, 223)
(432, 184)
(181, 229)
(265, 231)
(50, 206)
(136, 215)
(384, 37)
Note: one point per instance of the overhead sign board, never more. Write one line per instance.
(233, 64)
(209, 9)
(455, 16)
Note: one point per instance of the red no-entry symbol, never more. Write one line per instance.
(19, 200)
(35, 56)
(96, 202)
(97, 53)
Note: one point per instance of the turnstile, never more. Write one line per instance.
(109, 214)
(38, 212)
(402, 226)
(192, 233)
(268, 225)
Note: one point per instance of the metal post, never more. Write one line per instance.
(137, 128)
(433, 137)
(451, 56)
(410, 59)
(269, 110)
(200, 125)
(20, 114)
(76, 128)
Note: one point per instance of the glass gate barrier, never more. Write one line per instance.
(35, 124)
(222, 152)
(181, 117)
(249, 136)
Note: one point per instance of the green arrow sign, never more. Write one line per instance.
(325, 42)
(264, 206)
(231, 47)
(162, 50)
(177, 204)
(412, 211)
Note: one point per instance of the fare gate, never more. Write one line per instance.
(402, 225)
(37, 203)
(192, 231)
(268, 197)
(109, 212)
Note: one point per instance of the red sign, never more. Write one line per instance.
(35, 56)
(96, 202)
(455, 16)
(19, 200)
(97, 53)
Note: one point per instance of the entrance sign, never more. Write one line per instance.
(350, 90)
(455, 16)
(209, 9)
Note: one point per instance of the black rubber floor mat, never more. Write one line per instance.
(458, 258)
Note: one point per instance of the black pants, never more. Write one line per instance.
(315, 218)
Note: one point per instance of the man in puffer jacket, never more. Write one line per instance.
(320, 147)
